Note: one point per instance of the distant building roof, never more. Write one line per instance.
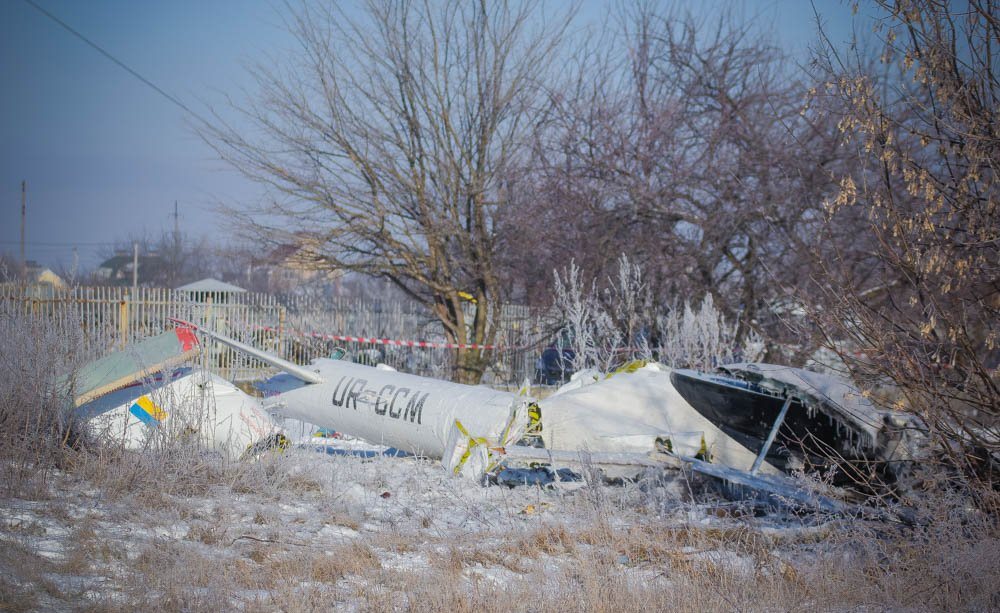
(118, 269)
(213, 286)
(301, 254)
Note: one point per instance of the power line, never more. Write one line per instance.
(59, 244)
(120, 63)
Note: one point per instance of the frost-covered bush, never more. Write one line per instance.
(606, 328)
(578, 312)
(702, 338)
(39, 355)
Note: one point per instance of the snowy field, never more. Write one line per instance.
(307, 530)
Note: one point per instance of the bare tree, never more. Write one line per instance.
(392, 139)
(685, 146)
(923, 121)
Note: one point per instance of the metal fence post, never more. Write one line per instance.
(123, 321)
(281, 331)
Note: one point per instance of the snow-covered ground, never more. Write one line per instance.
(310, 524)
(310, 530)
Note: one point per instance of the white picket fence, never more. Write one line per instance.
(113, 317)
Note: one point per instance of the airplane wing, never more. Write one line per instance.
(303, 374)
(138, 361)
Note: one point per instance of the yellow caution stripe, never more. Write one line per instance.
(472, 442)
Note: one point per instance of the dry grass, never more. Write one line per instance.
(34, 422)
(27, 576)
(536, 564)
(15, 597)
(86, 548)
(394, 541)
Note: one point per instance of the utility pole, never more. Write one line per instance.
(135, 267)
(176, 259)
(24, 214)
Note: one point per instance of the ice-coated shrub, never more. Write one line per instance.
(702, 338)
(606, 328)
(40, 352)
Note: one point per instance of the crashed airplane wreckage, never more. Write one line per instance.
(140, 397)
(821, 422)
(623, 424)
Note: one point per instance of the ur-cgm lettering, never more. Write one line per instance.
(395, 402)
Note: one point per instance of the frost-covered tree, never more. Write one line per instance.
(682, 142)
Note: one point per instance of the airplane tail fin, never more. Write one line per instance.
(294, 370)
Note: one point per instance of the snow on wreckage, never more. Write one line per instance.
(625, 423)
(828, 423)
(142, 396)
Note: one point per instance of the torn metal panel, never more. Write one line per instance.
(785, 489)
(782, 488)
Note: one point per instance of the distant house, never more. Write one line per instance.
(293, 265)
(39, 282)
(39, 275)
(117, 270)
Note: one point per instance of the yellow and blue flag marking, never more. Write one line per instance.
(147, 412)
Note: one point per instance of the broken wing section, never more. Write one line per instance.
(191, 407)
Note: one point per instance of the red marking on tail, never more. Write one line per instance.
(187, 338)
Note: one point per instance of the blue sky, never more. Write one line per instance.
(105, 156)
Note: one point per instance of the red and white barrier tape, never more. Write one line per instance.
(383, 341)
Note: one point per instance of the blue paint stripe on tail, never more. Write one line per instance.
(141, 414)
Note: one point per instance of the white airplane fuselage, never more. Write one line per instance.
(411, 413)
